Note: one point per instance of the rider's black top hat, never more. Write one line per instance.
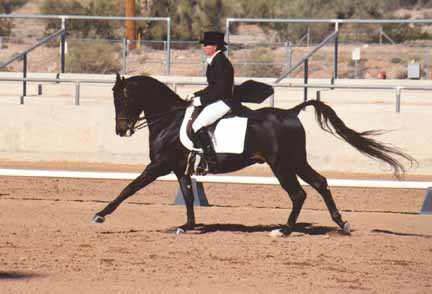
(213, 38)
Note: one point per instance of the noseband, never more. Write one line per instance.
(136, 126)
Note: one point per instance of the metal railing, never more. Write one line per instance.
(64, 18)
(77, 83)
(336, 22)
(305, 62)
(396, 88)
(167, 42)
(23, 55)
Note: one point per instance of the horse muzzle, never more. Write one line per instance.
(124, 129)
(125, 132)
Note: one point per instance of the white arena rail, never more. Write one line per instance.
(213, 179)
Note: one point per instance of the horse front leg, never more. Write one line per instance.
(185, 182)
(151, 173)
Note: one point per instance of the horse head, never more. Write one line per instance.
(126, 110)
(139, 94)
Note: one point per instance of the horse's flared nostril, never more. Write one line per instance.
(120, 132)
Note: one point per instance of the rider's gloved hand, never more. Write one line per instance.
(196, 101)
(189, 97)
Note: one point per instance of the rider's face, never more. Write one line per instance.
(209, 50)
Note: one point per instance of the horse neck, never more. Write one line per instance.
(156, 100)
(163, 114)
(164, 108)
(163, 100)
(168, 122)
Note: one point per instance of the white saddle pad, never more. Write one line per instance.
(228, 136)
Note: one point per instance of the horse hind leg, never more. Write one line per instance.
(319, 183)
(290, 184)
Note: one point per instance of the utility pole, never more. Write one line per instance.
(130, 24)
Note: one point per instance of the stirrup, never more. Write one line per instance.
(202, 168)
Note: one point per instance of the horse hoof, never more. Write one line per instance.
(347, 229)
(276, 233)
(179, 231)
(97, 219)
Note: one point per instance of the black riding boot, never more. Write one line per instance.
(204, 141)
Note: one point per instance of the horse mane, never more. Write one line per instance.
(155, 90)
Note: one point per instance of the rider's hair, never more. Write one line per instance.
(221, 47)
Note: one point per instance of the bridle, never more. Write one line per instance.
(127, 119)
(135, 126)
(143, 121)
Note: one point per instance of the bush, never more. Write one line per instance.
(396, 60)
(100, 57)
(104, 29)
(188, 18)
(336, 9)
(341, 9)
(8, 7)
(261, 64)
(5, 27)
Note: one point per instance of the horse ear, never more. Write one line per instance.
(118, 79)
(119, 83)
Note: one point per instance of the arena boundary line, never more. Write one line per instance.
(212, 179)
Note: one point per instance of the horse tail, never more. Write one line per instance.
(330, 122)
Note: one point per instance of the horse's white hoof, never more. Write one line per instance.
(347, 228)
(179, 231)
(97, 219)
(276, 233)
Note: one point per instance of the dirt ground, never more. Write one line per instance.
(48, 245)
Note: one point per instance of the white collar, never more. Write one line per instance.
(210, 59)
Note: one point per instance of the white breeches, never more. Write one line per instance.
(210, 114)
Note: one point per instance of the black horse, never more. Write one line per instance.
(277, 138)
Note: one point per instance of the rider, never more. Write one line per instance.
(216, 98)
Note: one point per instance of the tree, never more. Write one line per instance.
(188, 18)
(84, 28)
(332, 9)
(8, 6)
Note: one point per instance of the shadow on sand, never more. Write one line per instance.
(18, 275)
(305, 228)
(378, 231)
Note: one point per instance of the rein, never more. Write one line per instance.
(143, 121)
